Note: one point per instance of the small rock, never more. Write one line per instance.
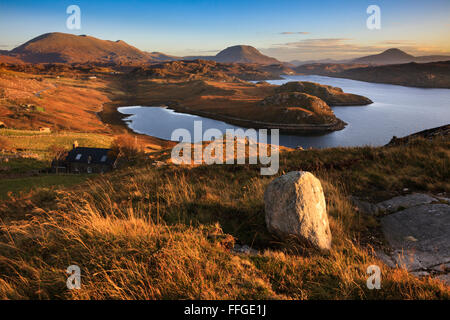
(295, 206)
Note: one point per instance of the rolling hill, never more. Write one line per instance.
(67, 48)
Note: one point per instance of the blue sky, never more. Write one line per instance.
(284, 29)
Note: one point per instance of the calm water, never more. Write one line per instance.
(396, 111)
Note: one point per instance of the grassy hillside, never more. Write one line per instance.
(167, 232)
(36, 142)
(33, 99)
(17, 187)
(28, 151)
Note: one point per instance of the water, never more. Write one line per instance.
(396, 111)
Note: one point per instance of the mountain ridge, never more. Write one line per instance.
(58, 47)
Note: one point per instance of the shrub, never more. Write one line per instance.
(127, 147)
(57, 152)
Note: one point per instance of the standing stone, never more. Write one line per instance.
(295, 206)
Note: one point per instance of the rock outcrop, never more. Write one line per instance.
(333, 96)
(416, 227)
(429, 134)
(419, 236)
(295, 206)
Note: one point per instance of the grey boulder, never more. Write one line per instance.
(295, 206)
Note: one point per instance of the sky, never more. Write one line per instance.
(286, 30)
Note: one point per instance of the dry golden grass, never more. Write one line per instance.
(166, 233)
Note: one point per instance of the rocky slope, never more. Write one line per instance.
(296, 107)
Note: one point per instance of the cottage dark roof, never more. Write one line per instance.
(96, 155)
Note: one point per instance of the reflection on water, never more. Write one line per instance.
(396, 111)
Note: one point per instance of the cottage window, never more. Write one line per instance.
(78, 157)
(104, 158)
(89, 170)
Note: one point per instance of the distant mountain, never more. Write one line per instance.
(390, 56)
(69, 48)
(244, 54)
(397, 56)
(238, 54)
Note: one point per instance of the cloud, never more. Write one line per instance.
(322, 46)
(397, 42)
(297, 32)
